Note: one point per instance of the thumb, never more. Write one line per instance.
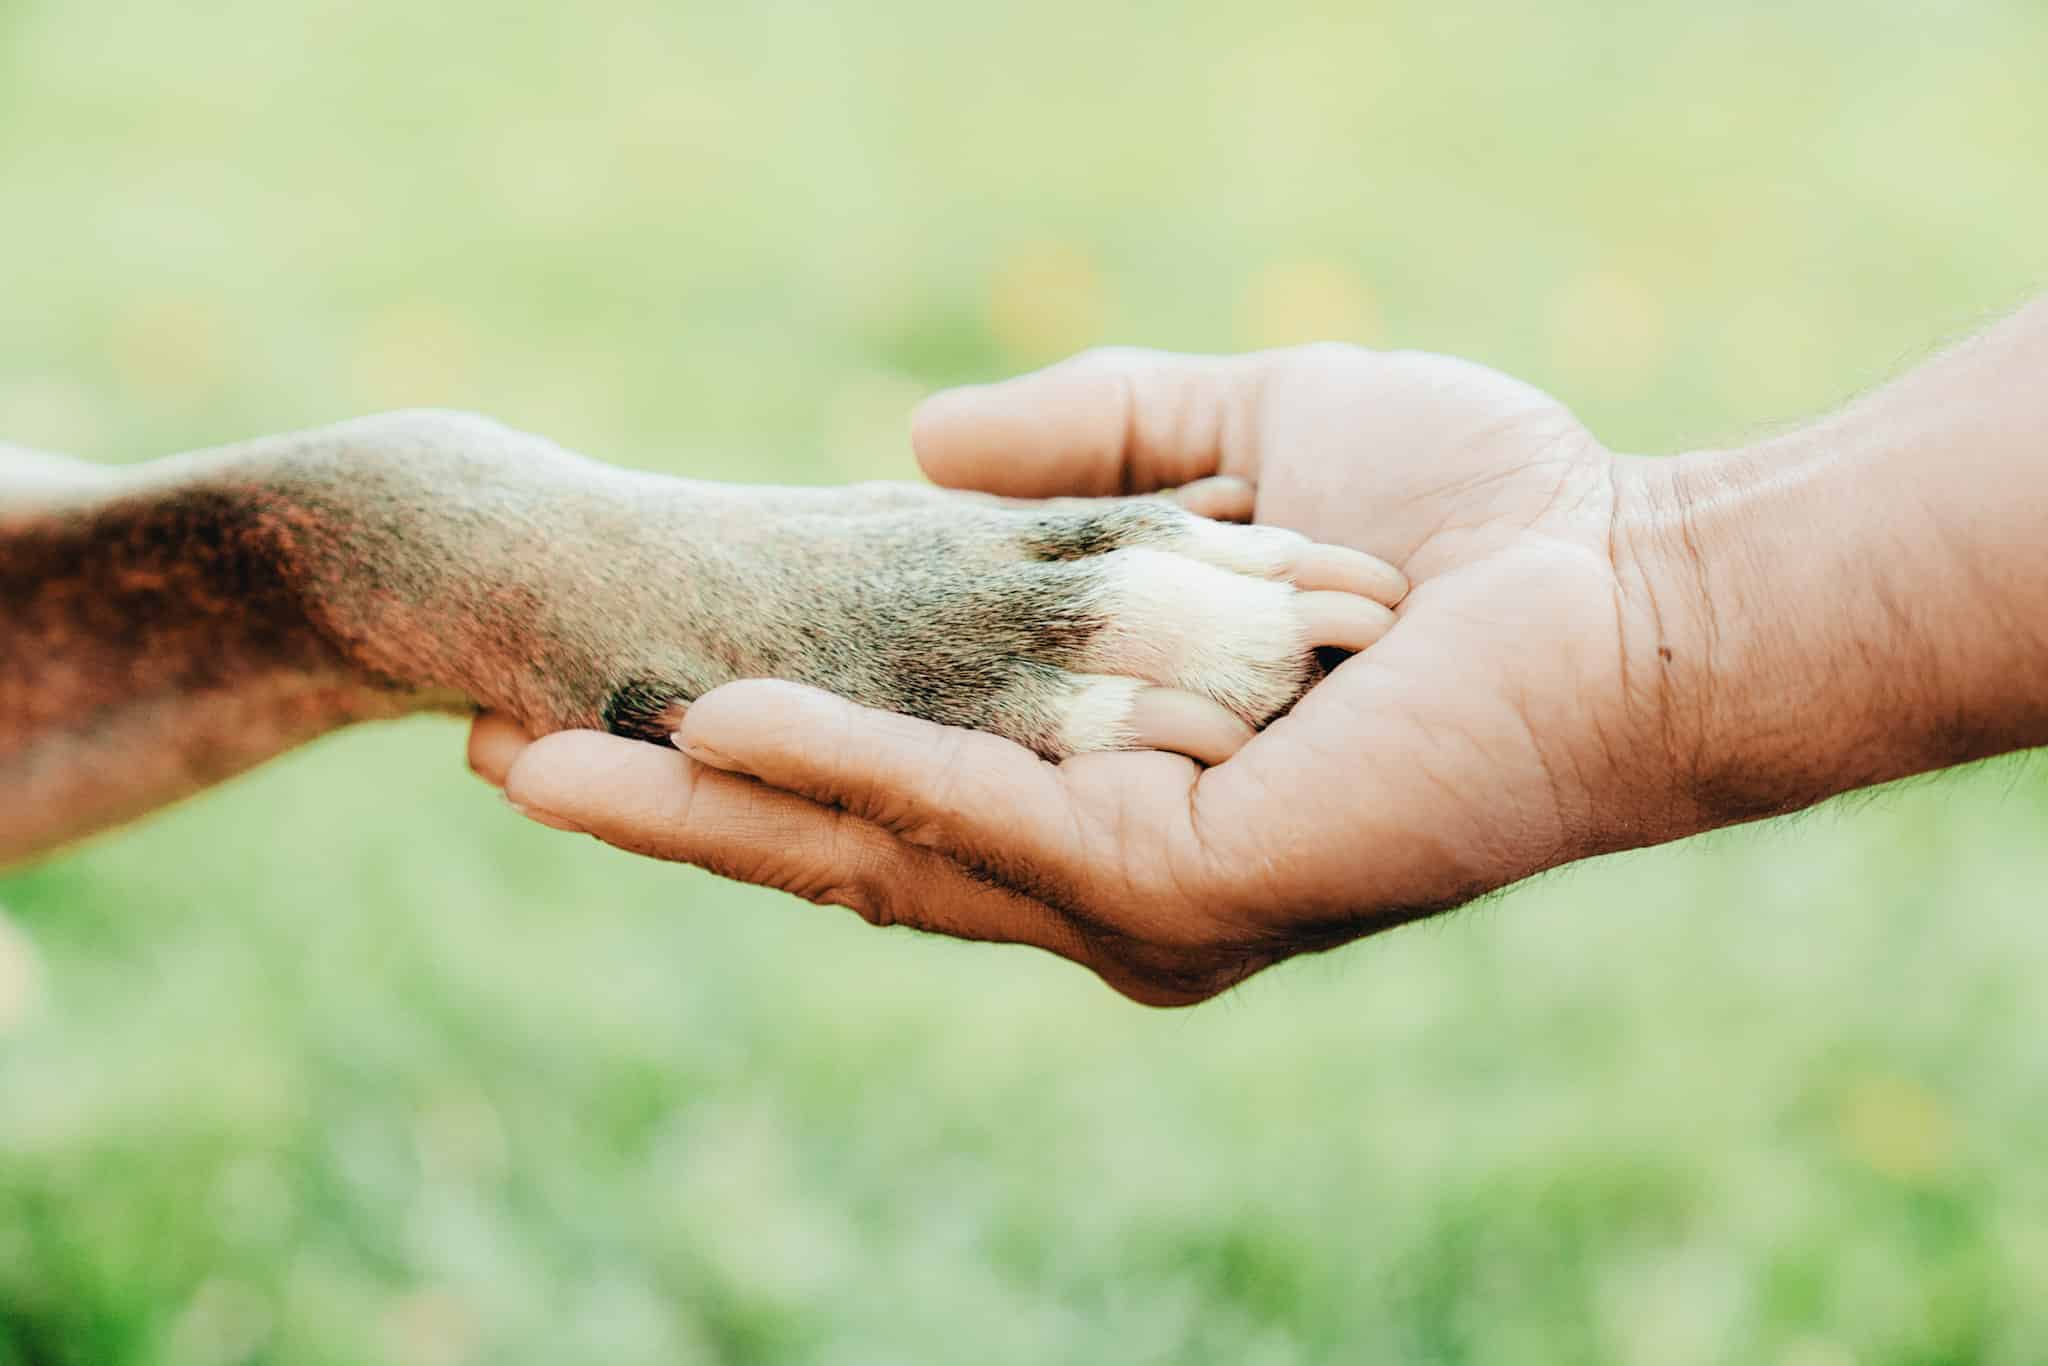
(1112, 421)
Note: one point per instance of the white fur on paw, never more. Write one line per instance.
(1186, 624)
(1265, 551)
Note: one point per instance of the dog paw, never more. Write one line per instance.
(449, 561)
(1068, 627)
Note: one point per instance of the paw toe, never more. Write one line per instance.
(1185, 624)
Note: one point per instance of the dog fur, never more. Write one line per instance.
(168, 625)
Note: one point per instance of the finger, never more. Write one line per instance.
(979, 799)
(1343, 570)
(661, 804)
(1221, 498)
(495, 742)
(1182, 723)
(1118, 421)
(1342, 620)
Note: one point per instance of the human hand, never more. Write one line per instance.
(1512, 719)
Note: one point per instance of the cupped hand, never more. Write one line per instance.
(1512, 719)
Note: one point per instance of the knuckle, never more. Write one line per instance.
(845, 868)
(862, 901)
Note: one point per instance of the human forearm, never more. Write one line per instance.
(1866, 598)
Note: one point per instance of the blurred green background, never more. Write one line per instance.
(345, 1063)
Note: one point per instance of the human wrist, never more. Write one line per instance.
(1827, 619)
(1747, 677)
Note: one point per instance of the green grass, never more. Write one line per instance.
(345, 1063)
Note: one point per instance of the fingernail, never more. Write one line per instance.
(547, 818)
(1223, 497)
(704, 754)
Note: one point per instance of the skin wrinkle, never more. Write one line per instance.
(1159, 427)
(1663, 696)
(1616, 745)
(993, 880)
(1205, 451)
(1624, 662)
(1135, 445)
(1023, 917)
(933, 830)
(672, 811)
(1125, 433)
(1161, 910)
(1181, 880)
(1226, 855)
(874, 910)
(1705, 616)
(1600, 493)
(1101, 939)
(852, 874)
(1563, 839)
(1094, 846)
(1453, 492)
(1447, 788)
(999, 871)
(1090, 848)
(1246, 410)
(1020, 920)
(1144, 462)
(1196, 846)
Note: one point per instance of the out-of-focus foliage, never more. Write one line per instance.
(346, 1063)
